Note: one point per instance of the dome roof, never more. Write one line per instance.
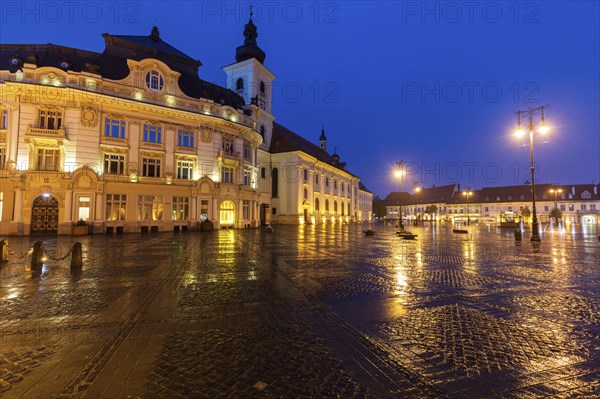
(250, 49)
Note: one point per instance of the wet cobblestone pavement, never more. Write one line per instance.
(306, 312)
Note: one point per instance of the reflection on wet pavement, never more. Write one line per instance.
(309, 311)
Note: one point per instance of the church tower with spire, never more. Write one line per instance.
(323, 139)
(249, 77)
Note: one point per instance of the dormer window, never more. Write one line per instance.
(586, 195)
(154, 80)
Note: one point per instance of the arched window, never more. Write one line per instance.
(522, 197)
(239, 84)
(227, 213)
(274, 183)
(262, 131)
(326, 205)
(262, 87)
(335, 206)
(342, 209)
(316, 205)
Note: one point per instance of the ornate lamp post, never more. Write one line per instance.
(531, 112)
(399, 173)
(468, 194)
(555, 191)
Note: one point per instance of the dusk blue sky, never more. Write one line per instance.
(434, 84)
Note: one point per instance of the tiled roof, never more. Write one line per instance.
(523, 193)
(284, 140)
(362, 187)
(112, 63)
(432, 195)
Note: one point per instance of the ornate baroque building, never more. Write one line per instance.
(132, 139)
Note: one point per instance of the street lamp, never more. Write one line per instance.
(468, 194)
(535, 232)
(556, 191)
(399, 173)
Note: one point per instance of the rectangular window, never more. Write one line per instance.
(185, 138)
(4, 119)
(2, 157)
(48, 159)
(305, 174)
(114, 128)
(181, 208)
(150, 207)
(152, 134)
(263, 173)
(274, 211)
(114, 164)
(83, 212)
(204, 210)
(116, 206)
(51, 120)
(545, 208)
(185, 169)
(246, 209)
(247, 151)
(151, 167)
(247, 177)
(316, 178)
(227, 145)
(583, 207)
(592, 207)
(327, 182)
(487, 209)
(562, 208)
(571, 207)
(226, 174)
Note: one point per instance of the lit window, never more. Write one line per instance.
(185, 138)
(227, 213)
(114, 164)
(151, 167)
(114, 128)
(48, 159)
(181, 208)
(152, 134)
(116, 205)
(84, 209)
(154, 80)
(150, 207)
(185, 169)
(51, 120)
(247, 177)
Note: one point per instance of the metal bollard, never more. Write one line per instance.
(518, 235)
(37, 255)
(76, 258)
(4, 250)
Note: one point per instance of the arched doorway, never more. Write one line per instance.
(227, 214)
(44, 215)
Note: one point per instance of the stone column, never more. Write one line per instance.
(68, 206)
(99, 208)
(18, 210)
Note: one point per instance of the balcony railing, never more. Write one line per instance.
(229, 154)
(36, 131)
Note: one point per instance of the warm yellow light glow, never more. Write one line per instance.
(519, 132)
(544, 128)
(301, 219)
(138, 95)
(313, 220)
(170, 100)
(417, 189)
(398, 173)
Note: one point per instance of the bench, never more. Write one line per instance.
(460, 231)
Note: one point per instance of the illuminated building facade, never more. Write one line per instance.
(132, 139)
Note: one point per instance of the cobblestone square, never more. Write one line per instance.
(306, 312)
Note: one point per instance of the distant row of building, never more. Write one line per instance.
(577, 203)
